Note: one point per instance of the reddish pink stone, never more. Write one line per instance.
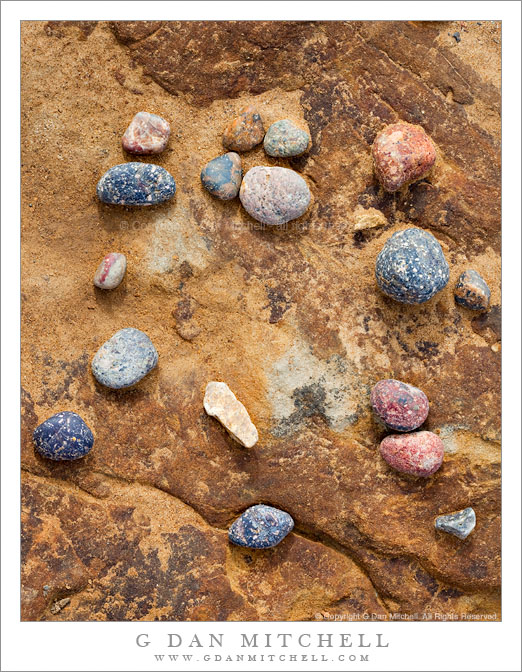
(400, 406)
(111, 270)
(147, 134)
(418, 454)
(402, 153)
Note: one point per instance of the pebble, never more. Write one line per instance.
(368, 218)
(245, 131)
(284, 139)
(400, 406)
(275, 195)
(64, 436)
(124, 359)
(147, 134)
(411, 267)
(136, 184)
(472, 291)
(260, 526)
(111, 270)
(221, 403)
(402, 153)
(222, 176)
(418, 454)
(460, 524)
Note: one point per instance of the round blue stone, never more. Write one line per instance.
(124, 359)
(411, 267)
(260, 526)
(136, 183)
(63, 436)
(222, 176)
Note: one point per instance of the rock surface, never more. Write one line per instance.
(461, 524)
(261, 526)
(284, 139)
(136, 184)
(222, 176)
(472, 291)
(124, 359)
(274, 196)
(221, 403)
(411, 267)
(64, 436)
(402, 153)
(400, 406)
(146, 134)
(111, 270)
(260, 312)
(416, 454)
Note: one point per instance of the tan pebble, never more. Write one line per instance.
(221, 403)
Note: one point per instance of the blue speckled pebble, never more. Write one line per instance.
(63, 436)
(461, 524)
(411, 267)
(285, 139)
(136, 183)
(124, 359)
(260, 526)
(222, 176)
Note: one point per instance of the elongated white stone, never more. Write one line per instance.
(221, 403)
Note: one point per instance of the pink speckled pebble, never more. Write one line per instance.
(402, 153)
(400, 406)
(110, 272)
(418, 454)
(147, 134)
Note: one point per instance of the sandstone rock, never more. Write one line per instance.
(221, 403)
(368, 218)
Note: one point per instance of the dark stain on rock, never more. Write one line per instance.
(492, 319)
(279, 303)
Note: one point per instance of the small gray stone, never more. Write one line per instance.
(285, 139)
(275, 195)
(460, 523)
(472, 291)
(124, 359)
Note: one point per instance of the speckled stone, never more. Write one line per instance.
(260, 526)
(417, 454)
(275, 195)
(411, 267)
(402, 153)
(400, 406)
(63, 436)
(472, 291)
(124, 359)
(221, 403)
(136, 184)
(222, 176)
(111, 270)
(244, 131)
(461, 524)
(284, 139)
(147, 134)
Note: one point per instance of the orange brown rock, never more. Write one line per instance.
(402, 153)
(245, 131)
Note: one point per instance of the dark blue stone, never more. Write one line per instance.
(136, 183)
(260, 526)
(222, 176)
(411, 267)
(63, 436)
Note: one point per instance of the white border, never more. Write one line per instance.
(413, 646)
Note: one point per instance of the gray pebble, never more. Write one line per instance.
(124, 359)
(460, 523)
